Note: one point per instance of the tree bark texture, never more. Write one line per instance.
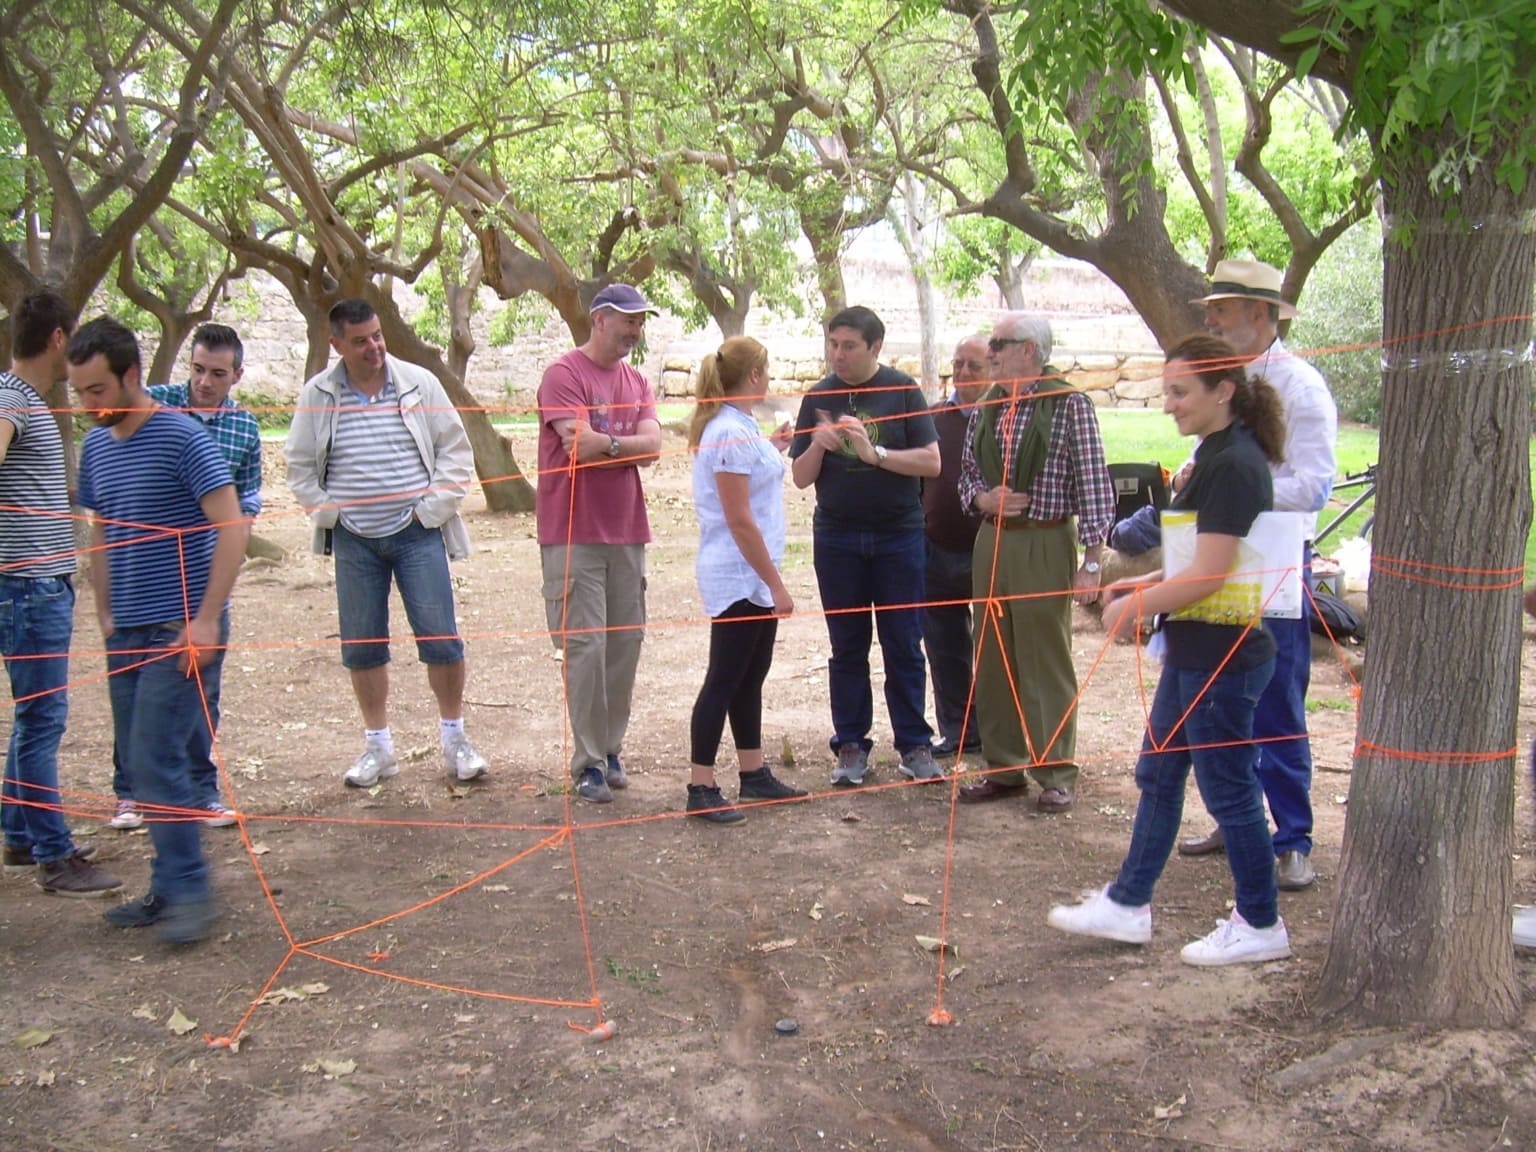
(1421, 932)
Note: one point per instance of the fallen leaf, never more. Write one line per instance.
(775, 945)
(498, 888)
(179, 1024)
(259, 849)
(33, 1038)
(45, 1079)
(816, 911)
(1172, 1111)
(908, 898)
(851, 818)
(332, 1068)
(459, 791)
(315, 989)
(954, 973)
(934, 944)
(144, 1012)
(787, 754)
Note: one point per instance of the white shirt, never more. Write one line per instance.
(732, 442)
(1304, 480)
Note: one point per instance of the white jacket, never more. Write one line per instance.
(434, 425)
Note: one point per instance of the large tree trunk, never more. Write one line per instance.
(1422, 927)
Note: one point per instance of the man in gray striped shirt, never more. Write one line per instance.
(379, 460)
(37, 601)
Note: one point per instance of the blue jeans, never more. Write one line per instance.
(205, 773)
(1280, 723)
(417, 560)
(857, 571)
(157, 710)
(950, 642)
(37, 618)
(1217, 739)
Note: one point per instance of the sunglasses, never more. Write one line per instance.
(998, 343)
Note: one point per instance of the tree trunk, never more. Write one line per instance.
(174, 330)
(826, 251)
(1422, 926)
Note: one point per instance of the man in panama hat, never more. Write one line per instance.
(1244, 307)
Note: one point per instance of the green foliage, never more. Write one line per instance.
(1449, 83)
(1339, 323)
(271, 412)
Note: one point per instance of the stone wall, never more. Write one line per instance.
(1100, 341)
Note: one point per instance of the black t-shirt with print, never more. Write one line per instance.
(1230, 486)
(850, 494)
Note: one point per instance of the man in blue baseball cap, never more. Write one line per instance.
(597, 429)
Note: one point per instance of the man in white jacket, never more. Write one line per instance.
(378, 458)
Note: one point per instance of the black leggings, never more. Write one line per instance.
(740, 654)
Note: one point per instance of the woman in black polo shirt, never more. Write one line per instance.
(1213, 672)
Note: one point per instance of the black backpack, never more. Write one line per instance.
(1342, 621)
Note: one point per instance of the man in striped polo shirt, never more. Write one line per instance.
(217, 363)
(169, 539)
(378, 458)
(37, 601)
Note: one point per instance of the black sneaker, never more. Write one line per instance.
(75, 876)
(764, 785)
(186, 923)
(706, 803)
(137, 913)
(614, 773)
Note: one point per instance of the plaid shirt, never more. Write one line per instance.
(1073, 480)
(234, 430)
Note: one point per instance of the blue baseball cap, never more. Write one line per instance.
(623, 298)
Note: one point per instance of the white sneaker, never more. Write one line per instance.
(218, 815)
(461, 759)
(1100, 916)
(1235, 941)
(126, 817)
(1525, 926)
(373, 765)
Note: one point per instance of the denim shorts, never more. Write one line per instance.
(417, 560)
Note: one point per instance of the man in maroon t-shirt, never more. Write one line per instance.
(597, 428)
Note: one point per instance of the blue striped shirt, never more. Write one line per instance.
(147, 490)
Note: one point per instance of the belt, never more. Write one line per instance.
(1025, 522)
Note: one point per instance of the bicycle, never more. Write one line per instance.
(1363, 479)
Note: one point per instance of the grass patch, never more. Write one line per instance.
(1329, 704)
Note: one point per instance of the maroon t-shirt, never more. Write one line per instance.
(607, 505)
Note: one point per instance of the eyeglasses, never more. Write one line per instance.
(998, 343)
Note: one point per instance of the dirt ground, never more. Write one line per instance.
(455, 1026)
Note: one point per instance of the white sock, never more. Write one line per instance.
(451, 729)
(381, 739)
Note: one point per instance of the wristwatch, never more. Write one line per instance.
(881, 452)
(1091, 567)
(613, 447)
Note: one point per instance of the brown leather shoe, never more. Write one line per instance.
(990, 789)
(1054, 800)
(1293, 872)
(1203, 845)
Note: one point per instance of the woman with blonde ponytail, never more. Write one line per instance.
(738, 492)
(1214, 671)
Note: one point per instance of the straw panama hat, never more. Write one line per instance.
(1248, 280)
